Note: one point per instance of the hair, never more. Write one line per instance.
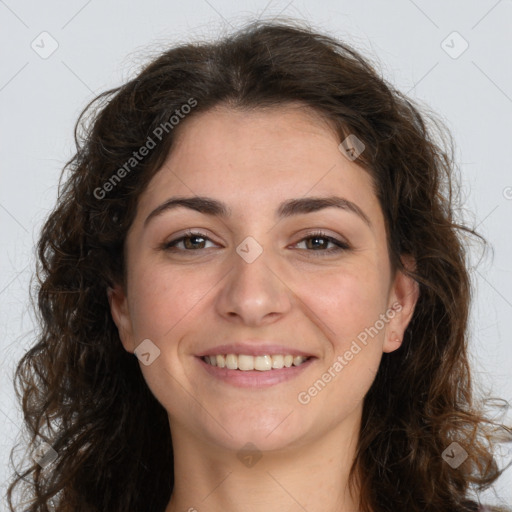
(84, 395)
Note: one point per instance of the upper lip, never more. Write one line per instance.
(253, 348)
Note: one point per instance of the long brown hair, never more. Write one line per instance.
(84, 395)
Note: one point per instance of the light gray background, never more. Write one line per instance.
(101, 44)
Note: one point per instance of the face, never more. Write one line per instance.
(273, 280)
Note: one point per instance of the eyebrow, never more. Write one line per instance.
(213, 207)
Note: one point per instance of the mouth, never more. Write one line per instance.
(254, 372)
(262, 363)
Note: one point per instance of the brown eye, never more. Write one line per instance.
(324, 242)
(319, 242)
(191, 242)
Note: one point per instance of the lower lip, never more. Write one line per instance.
(254, 378)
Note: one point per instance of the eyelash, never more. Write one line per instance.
(340, 246)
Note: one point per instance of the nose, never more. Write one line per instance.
(254, 292)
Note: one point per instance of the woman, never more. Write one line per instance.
(254, 295)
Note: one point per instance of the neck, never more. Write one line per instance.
(310, 476)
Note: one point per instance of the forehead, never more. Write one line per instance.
(255, 159)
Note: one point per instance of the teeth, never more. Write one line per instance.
(296, 360)
(278, 362)
(245, 362)
(232, 362)
(261, 363)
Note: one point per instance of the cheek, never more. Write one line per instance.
(352, 303)
(348, 307)
(348, 301)
(162, 297)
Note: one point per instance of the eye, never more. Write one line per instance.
(321, 241)
(195, 241)
(192, 241)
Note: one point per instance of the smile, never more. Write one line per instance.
(262, 363)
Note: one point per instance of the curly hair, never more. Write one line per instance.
(84, 395)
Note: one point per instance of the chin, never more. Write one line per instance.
(276, 430)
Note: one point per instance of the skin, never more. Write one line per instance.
(186, 302)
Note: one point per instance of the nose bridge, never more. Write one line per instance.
(253, 289)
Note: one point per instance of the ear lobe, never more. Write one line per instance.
(118, 302)
(404, 296)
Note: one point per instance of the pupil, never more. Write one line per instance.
(316, 240)
(189, 241)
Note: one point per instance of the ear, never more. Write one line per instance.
(118, 301)
(402, 301)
